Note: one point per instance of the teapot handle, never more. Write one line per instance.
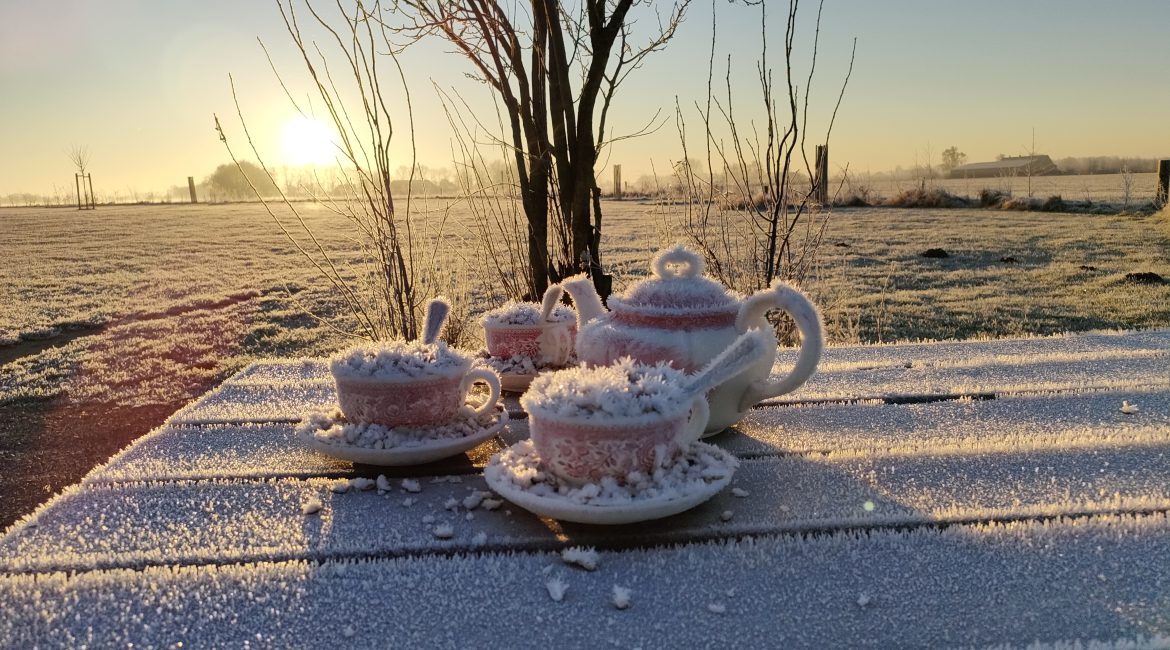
(812, 338)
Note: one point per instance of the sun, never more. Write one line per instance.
(307, 141)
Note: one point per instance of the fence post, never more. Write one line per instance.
(1163, 183)
(191, 188)
(821, 193)
(617, 181)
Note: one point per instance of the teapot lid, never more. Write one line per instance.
(678, 286)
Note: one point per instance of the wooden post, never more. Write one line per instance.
(191, 188)
(1163, 183)
(821, 182)
(617, 181)
(92, 198)
(77, 184)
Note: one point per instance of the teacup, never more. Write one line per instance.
(401, 383)
(592, 423)
(516, 330)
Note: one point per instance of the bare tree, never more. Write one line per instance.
(760, 223)
(556, 69)
(79, 156)
(397, 271)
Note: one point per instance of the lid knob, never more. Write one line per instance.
(677, 262)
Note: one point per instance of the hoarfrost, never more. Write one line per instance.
(1128, 408)
(739, 492)
(411, 485)
(397, 359)
(444, 531)
(717, 608)
(312, 506)
(525, 313)
(621, 597)
(626, 389)
(556, 588)
(586, 558)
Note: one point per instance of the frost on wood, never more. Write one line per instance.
(312, 506)
(621, 597)
(556, 588)
(586, 558)
(1128, 408)
(398, 359)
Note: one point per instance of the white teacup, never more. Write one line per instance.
(517, 330)
(401, 383)
(592, 423)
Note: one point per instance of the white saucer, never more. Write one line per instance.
(521, 457)
(412, 452)
(515, 383)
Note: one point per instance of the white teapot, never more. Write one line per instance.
(687, 319)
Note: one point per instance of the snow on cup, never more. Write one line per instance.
(401, 383)
(515, 329)
(607, 422)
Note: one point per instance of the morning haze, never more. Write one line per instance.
(138, 82)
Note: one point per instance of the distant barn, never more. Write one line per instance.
(1017, 166)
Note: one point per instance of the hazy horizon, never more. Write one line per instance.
(138, 82)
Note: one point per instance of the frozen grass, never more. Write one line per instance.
(115, 318)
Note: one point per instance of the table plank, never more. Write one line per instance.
(130, 525)
(1052, 583)
(177, 452)
(1081, 419)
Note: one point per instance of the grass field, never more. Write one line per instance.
(115, 318)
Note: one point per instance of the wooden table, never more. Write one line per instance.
(981, 494)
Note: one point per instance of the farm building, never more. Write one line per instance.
(1016, 166)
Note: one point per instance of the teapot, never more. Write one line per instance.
(686, 319)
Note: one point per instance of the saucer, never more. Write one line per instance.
(513, 383)
(405, 445)
(516, 475)
(517, 372)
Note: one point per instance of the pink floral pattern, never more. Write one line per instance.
(425, 401)
(684, 322)
(585, 452)
(506, 341)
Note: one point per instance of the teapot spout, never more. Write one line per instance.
(585, 298)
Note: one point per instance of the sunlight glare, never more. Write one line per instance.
(307, 141)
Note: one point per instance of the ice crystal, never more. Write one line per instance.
(397, 359)
(525, 313)
(586, 558)
(556, 588)
(621, 597)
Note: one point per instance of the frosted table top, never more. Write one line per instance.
(973, 494)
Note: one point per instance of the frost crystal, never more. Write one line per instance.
(312, 506)
(411, 485)
(586, 558)
(479, 539)
(473, 500)
(863, 600)
(451, 504)
(556, 588)
(395, 359)
(726, 515)
(384, 484)
(525, 313)
(717, 608)
(340, 486)
(444, 531)
(621, 597)
(626, 389)
(1128, 408)
(362, 483)
(739, 492)
(492, 504)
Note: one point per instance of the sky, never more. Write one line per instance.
(137, 83)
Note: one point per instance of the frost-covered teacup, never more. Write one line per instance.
(516, 329)
(407, 383)
(592, 423)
